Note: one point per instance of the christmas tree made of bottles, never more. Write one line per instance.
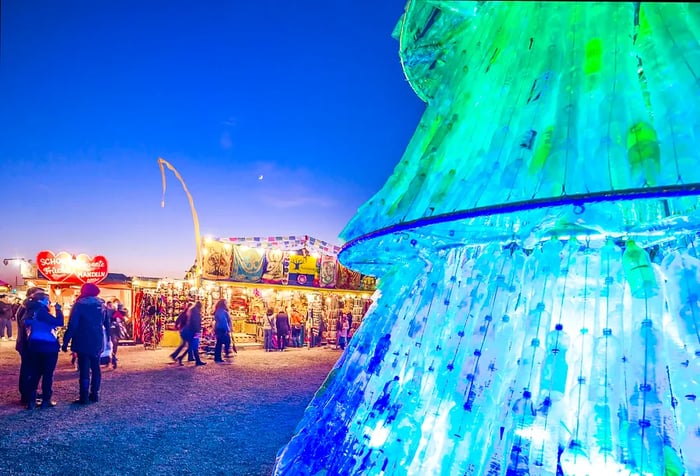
(538, 306)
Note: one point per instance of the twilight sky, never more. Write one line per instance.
(307, 94)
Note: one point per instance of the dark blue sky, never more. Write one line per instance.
(308, 94)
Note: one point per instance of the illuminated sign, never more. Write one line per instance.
(71, 269)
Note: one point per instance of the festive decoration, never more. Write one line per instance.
(287, 243)
(286, 260)
(536, 250)
(195, 219)
(65, 268)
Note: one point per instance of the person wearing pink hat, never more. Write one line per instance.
(87, 325)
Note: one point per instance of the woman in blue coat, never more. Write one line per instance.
(42, 347)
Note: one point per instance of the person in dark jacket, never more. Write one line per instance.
(222, 329)
(181, 326)
(87, 328)
(116, 324)
(21, 346)
(193, 331)
(282, 322)
(42, 347)
(5, 317)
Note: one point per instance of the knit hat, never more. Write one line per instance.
(31, 291)
(89, 290)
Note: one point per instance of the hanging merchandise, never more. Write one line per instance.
(328, 275)
(275, 266)
(217, 261)
(282, 260)
(247, 264)
(303, 269)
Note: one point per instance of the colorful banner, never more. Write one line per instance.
(71, 269)
(368, 283)
(247, 264)
(329, 271)
(297, 260)
(347, 278)
(275, 267)
(303, 269)
(217, 260)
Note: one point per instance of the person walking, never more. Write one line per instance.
(21, 346)
(42, 348)
(194, 332)
(269, 328)
(181, 326)
(5, 317)
(222, 330)
(86, 332)
(282, 324)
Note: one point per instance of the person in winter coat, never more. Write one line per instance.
(222, 329)
(282, 322)
(5, 318)
(42, 347)
(21, 346)
(87, 330)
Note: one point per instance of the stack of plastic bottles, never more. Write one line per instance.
(538, 305)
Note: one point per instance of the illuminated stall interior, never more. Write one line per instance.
(254, 275)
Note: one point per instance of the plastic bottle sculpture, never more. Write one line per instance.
(538, 308)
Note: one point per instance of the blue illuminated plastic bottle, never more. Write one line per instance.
(555, 368)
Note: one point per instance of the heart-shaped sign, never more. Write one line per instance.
(66, 268)
(91, 270)
(55, 267)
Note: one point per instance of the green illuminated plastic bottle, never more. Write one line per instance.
(643, 154)
(638, 271)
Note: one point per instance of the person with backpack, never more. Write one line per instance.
(21, 346)
(42, 347)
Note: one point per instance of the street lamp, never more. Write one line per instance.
(7, 261)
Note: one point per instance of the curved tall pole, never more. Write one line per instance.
(198, 271)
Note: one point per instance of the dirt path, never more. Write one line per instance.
(159, 418)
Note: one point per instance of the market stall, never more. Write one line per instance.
(299, 274)
(63, 274)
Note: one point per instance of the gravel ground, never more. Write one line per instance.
(155, 417)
